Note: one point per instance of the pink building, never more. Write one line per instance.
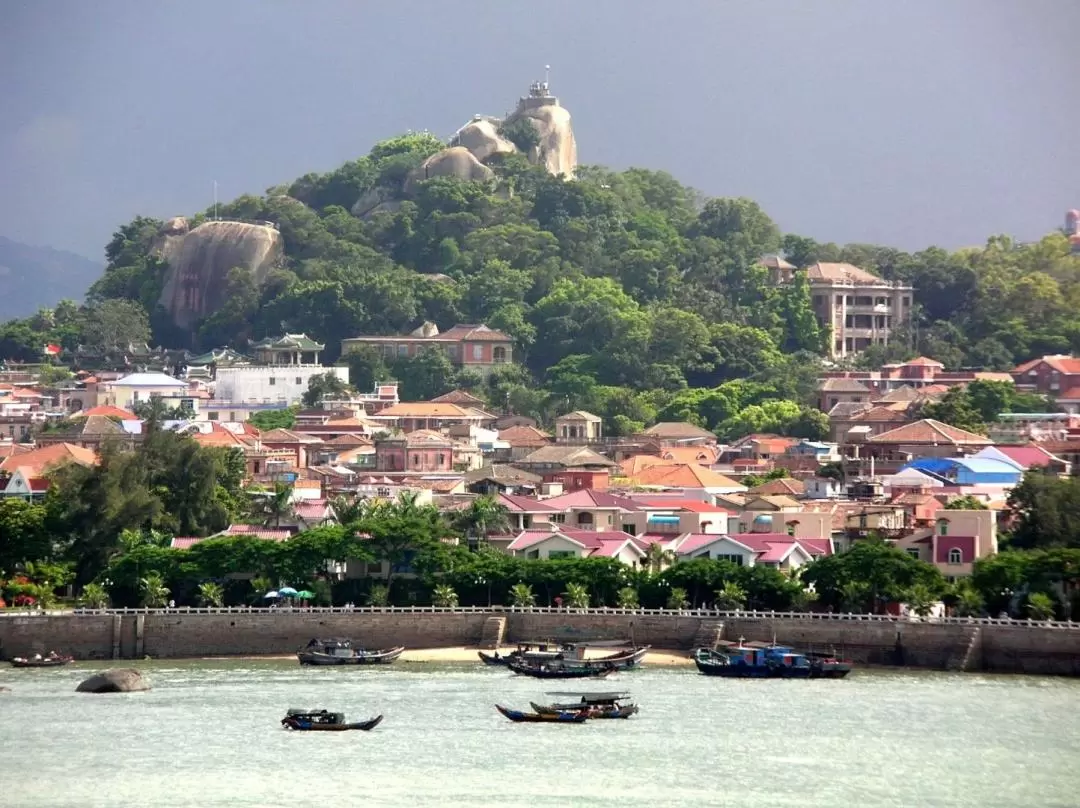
(473, 346)
(420, 452)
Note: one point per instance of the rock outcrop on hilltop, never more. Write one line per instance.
(482, 138)
(200, 259)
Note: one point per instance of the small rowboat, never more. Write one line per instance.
(594, 705)
(42, 662)
(324, 721)
(518, 717)
(341, 652)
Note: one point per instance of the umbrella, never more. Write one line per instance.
(304, 594)
(270, 595)
(287, 592)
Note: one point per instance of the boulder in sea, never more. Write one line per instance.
(5, 689)
(117, 680)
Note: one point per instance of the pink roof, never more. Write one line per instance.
(1027, 456)
(312, 509)
(258, 531)
(519, 504)
(588, 539)
(695, 541)
(692, 505)
(588, 498)
(610, 548)
(767, 547)
(184, 542)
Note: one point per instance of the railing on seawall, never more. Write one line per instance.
(711, 614)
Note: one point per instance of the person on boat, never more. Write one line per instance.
(37, 657)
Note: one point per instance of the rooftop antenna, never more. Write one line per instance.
(547, 75)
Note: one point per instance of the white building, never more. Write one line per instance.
(285, 368)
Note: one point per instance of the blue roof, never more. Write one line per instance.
(947, 466)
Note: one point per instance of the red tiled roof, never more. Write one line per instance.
(47, 457)
(929, 431)
(590, 540)
(923, 361)
(519, 504)
(1028, 456)
(108, 412)
(1072, 394)
(692, 505)
(588, 498)
(258, 531)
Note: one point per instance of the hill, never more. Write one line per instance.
(38, 277)
(626, 293)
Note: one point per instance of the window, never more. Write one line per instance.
(734, 558)
(272, 381)
(558, 518)
(610, 519)
(562, 554)
(913, 552)
(817, 300)
(956, 556)
(211, 416)
(299, 380)
(499, 354)
(478, 352)
(255, 467)
(584, 518)
(440, 460)
(791, 528)
(403, 350)
(629, 529)
(533, 554)
(416, 460)
(943, 527)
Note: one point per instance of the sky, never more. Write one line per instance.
(915, 123)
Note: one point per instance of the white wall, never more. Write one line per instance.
(290, 382)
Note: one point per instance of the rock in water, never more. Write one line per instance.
(200, 260)
(118, 680)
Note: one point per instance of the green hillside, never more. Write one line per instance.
(627, 293)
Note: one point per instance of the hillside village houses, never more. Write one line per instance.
(569, 488)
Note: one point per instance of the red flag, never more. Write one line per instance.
(52, 350)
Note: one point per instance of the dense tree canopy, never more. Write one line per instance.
(624, 291)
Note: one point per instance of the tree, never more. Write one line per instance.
(1040, 606)
(153, 593)
(399, 530)
(324, 385)
(955, 409)
(108, 324)
(1045, 511)
(378, 595)
(627, 598)
(211, 594)
(482, 517)
(24, 531)
(267, 420)
(366, 367)
(274, 505)
(444, 597)
(94, 596)
(657, 558)
(730, 597)
(870, 574)
(521, 131)
(677, 599)
(965, 503)
(921, 600)
(424, 376)
(521, 595)
(577, 596)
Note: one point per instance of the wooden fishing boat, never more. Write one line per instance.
(570, 654)
(38, 661)
(341, 652)
(518, 717)
(594, 705)
(559, 670)
(325, 721)
(756, 660)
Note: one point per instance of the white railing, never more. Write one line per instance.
(596, 612)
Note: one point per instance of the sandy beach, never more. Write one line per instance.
(655, 656)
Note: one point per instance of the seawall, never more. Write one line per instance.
(981, 645)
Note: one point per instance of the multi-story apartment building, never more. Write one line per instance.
(859, 308)
(475, 347)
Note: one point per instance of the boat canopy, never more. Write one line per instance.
(590, 696)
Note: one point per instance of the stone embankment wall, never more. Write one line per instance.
(1002, 648)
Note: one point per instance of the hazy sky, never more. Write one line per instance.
(906, 123)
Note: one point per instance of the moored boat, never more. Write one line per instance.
(519, 717)
(570, 654)
(756, 660)
(560, 670)
(53, 660)
(325, 721)
(341, 652)
(594, 705)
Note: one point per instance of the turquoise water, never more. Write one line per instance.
(208, 735)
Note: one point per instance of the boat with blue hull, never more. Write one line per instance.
(755, 660)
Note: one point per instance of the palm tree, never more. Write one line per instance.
(521, 595)
(153, 592)
(730, 597)
(346, 511)
(678, 599)
(444, 596)
(627, 598)
(482, 518)
(657, 558)
(94, 596)
(211, 594)
(277, 504)
(577, 596)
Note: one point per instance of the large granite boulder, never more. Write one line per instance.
(557, 151)
(117, 680)
(200, 260)
(481, 137)
(456, 161)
